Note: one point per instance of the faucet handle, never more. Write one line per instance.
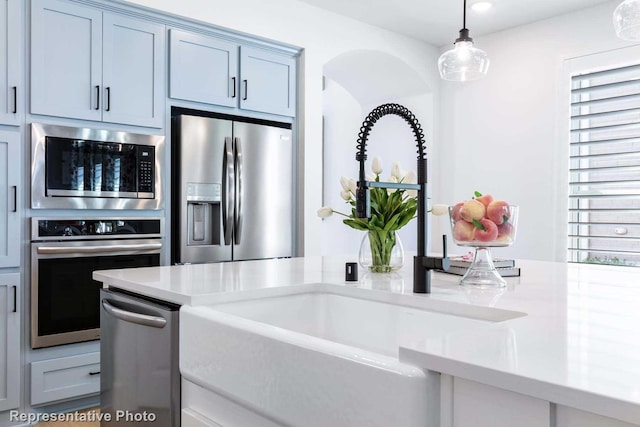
(436, 263)
(444, 246)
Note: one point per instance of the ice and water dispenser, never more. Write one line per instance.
(203, 214)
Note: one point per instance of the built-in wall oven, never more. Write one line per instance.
(82, 168)
(65, 299)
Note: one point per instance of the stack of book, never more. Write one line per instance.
(506, 267)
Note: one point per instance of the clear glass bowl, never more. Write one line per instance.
(495, 226)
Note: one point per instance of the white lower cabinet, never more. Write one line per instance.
(65, 378)
(467, 403)
(471, 404)
(9, 341)
(204, 408)
(571, 417)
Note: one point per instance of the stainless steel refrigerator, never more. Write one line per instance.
(232, 190)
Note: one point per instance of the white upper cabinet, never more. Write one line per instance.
(203, 69)
(133, 71)
(10, 61)
(93, 65)
(9, 199)
(268, 82)
(215, 71)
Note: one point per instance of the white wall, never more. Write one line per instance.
(323, 35)
(504, 134)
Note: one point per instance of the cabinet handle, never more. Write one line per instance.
(234, 87)
(15, 198)
(246, 90)
(97, 97)
(108, 99)
(94, 373)
(15, 299)
(15, 99)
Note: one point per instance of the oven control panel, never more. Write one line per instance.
(65, 229)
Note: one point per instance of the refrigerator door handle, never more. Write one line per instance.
(228, 190)
(239, 194)
(137, 318)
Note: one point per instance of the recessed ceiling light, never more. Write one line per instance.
(481, 6)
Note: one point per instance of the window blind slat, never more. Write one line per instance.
(611, 113)
(617, 155)
(611, 99)
(606, 86)
(605, 73)
(623, 126)
(605, 169)
(606, 141)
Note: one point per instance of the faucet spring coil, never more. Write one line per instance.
(384, 110)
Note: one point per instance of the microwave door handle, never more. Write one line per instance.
(56, 250)
(137, 318)
(228, 190)
(239, 194)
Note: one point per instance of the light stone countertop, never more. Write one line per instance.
(578, 345)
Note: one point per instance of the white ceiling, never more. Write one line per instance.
(439, 21)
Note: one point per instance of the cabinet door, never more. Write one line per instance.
(133, 71)
(203, 69)
(9, 199)
(66, 60)
(9, 341)
(10, 61)
(267, 82)
(480, 405)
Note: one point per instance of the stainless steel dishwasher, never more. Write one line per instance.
(140, 377)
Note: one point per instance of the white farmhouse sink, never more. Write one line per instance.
(323, 355)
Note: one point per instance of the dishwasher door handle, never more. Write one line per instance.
(130, 316)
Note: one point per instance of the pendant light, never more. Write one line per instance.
(464, 62)
(626, 20)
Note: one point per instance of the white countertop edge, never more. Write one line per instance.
(557, 394)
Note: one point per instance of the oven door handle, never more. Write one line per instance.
(55, 250)
(130, 316)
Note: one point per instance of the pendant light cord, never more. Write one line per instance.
(464, 33)
(464, 15)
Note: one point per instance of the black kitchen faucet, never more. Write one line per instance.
(422, 264)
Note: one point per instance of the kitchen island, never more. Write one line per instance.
(572, 358)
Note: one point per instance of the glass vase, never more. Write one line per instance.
(381, 252)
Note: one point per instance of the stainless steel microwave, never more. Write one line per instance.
(82, 168)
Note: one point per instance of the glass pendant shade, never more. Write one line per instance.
(626, 20)
(464, 62)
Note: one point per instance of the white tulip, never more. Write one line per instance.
(376, 165)
(392, 179)
(370, 177)
(395, 170)
(325, 212)
(439, 210)
(410, 178)
(346, 195)
(352, 186)
(344, 181)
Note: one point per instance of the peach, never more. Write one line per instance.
(498, 211)
(485, 199)
(455, 212)
(472, 209)
(505, 232)
(463, 231)
(487, 233)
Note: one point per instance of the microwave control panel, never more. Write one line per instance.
(146, 172)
